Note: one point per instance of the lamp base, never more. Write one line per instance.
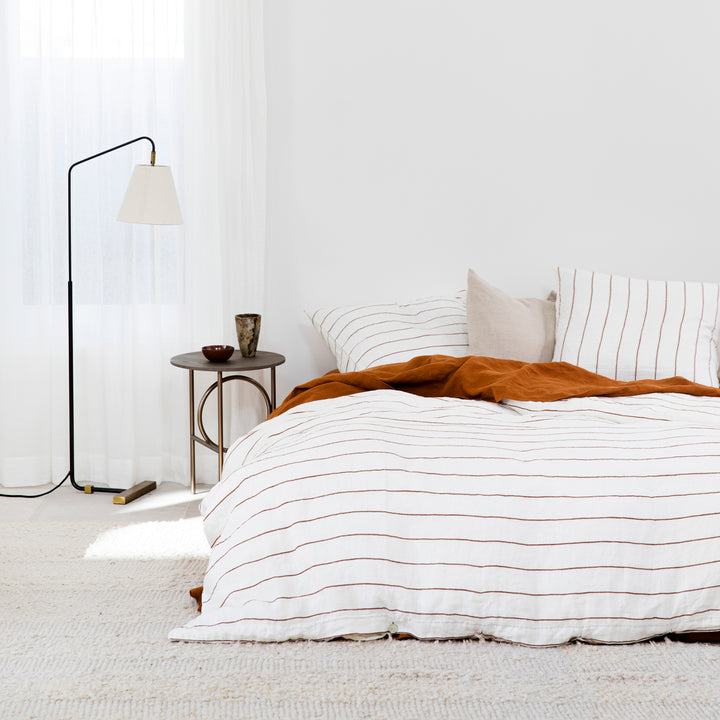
(134, 492)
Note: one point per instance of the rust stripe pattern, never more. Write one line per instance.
(633, 329)
(365, 336)
(536, 523)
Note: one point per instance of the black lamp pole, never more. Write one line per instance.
(141, 488)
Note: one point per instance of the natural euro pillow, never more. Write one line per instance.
(633, 329)
(502, 326)
(363, 336)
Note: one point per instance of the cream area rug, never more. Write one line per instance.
(86, 610)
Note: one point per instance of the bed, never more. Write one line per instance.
(569, 494)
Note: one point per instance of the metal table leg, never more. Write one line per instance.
(221, 446)
(192, 432)
(273, 403)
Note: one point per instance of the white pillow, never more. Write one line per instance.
(632, 329)
(365, 336)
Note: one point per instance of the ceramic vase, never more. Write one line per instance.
(247, 326)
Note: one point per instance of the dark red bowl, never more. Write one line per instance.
(218, 353)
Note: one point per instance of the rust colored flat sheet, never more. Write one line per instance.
(483, 378)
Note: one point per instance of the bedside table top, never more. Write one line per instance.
(197, 361)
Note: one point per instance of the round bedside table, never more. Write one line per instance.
(193, 361)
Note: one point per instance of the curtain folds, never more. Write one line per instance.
(78, 77)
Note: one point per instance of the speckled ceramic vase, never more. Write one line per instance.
(248, 333)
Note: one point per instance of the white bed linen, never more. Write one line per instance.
(536, 523)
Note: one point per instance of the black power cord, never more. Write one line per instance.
(47, 492)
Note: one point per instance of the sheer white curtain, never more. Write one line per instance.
(225, 130)
(78, 77)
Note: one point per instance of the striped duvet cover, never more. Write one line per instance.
(537, 523)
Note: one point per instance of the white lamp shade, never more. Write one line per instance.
(151, 197)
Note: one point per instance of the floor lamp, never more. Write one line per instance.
(150, 199)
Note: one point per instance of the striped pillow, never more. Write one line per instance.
(630, 329)
(369, 335)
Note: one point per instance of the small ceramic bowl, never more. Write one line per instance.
(218, 353)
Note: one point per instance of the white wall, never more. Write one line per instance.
(412, 139)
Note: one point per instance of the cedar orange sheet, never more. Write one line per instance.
(484, 378)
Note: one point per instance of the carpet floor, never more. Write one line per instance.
(86, 610)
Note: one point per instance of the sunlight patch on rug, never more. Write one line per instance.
(151, 541)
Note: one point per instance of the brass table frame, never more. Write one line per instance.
(196, 361)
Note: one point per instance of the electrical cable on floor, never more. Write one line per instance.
(47, 492)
